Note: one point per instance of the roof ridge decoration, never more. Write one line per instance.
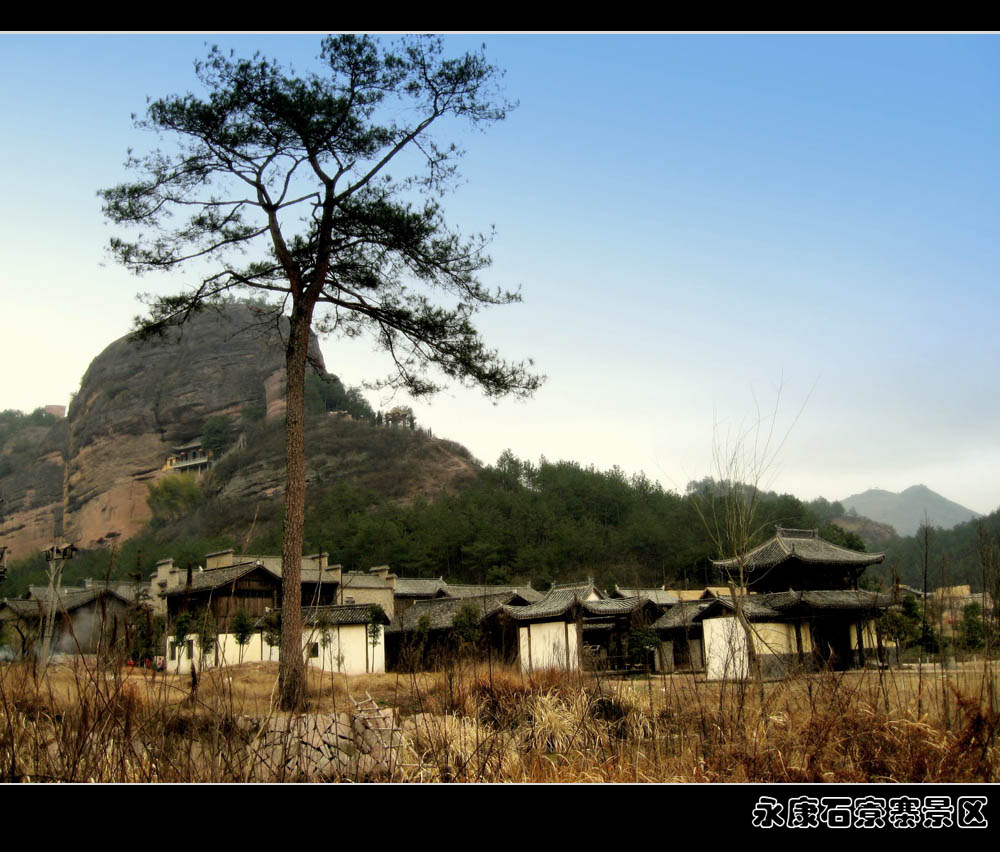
(791, 532)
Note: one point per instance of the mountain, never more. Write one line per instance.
(906, 511)
(86, 478)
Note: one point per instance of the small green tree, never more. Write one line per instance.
(206, 635)
(146, 634)
(174, 497)
(973, 633)
(466, 627)
(929, 639)
(902, 625)
(844, 538)
(272, 629)
(242, 629)
(218, 434)
(181, 630)
(376, 617)
(324, 627)
(640, 644)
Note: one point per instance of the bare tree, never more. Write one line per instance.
(744, 463)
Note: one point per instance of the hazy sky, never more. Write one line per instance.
(698, 224)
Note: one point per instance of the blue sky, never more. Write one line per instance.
(700, 225)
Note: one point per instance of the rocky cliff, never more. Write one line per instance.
(86, 477)
(32, 472)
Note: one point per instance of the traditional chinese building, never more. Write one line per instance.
(799, 595)
(796, 559)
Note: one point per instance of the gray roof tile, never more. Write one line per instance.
(804, 545)
(317, 616)
(440, 613)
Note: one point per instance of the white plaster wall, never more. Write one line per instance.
(342, 649)
(523, 648)
(725, 649)
(343, 652)
(807, 637)
(869, 635)
(255, 651)
(725, 643)
(548, 646)
(774, 637)
(182, 665)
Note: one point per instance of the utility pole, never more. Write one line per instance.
(55, 556)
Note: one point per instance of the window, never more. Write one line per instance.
(314, 650)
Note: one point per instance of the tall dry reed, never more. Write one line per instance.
(84, 722)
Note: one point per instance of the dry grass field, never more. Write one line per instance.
(473, 723)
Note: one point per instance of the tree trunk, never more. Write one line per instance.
(291, 666)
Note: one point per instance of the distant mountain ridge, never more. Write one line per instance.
(906, 511)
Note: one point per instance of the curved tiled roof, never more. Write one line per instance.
(777, 605)
(319, 616)
(555, 603)
(215, 578)
(843, 600)
(804, 545)
(468, 590)
(68, 599)
(419, 586)
(560, 601)
(440, 612)
(657, 596)
(681, 615)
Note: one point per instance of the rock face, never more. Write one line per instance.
(86, 477)
(32, 470)
(399, 464)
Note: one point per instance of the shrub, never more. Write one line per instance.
(174, 497)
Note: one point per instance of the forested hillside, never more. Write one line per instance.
(515, 520)
(968, 553)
